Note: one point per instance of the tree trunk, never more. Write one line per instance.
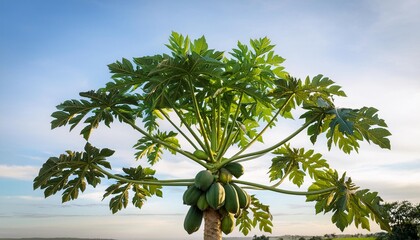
(212, 222)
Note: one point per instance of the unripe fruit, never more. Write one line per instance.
(200, 154)
(225, 176)
(202, 202)
(243, 196)
(228, 224)
(191, 195)
(203, 180)
(231, 199)
(215, 195)
(193, 219)
(236, 169)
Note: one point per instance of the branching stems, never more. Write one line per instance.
(264, 151)
(156, 140)
(257, 186)
(178, 129)
(174, 182)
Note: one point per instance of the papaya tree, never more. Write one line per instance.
(219, 106)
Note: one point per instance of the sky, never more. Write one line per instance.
(52, 50)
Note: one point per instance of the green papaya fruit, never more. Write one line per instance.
(191, 195)
(231, 199)
(215, 195)
(203, 180)
(202, 202)
(225, 176)
(243, 196)
(236, 169)
(200, 154)
(228, 224)
(193, 219)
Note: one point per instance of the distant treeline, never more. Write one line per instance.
(56, 239)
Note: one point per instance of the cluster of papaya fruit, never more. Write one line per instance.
(216, 191)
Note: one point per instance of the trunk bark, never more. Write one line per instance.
(212, 222)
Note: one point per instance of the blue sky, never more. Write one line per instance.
(50, 51)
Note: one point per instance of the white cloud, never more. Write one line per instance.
(177, 169)
(94, 195)
(24, 197)
(18, 172)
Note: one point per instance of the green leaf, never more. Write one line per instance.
(101, 105)
(106, 152)
(356, 125)
(295, 163)
(347, 127)
(141, 192)
(261, 46)
(340, 220)
(247, 132)
(152, 150)
(71, 172)
(262, 215)
(341, 119)
(316, 118)
(244, 222)
(120, 200)
(122, 69)
(378, 136)
(316, 92)
(347, 202)
(178, 44)
(372, 127)
(199, 46)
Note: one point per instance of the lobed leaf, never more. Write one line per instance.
(347, 203)
(295, 163)
(244, 222)
(153, 150)
(346, 127)
(102, 107)
(261, 217)
(141, 192)
(71, 172)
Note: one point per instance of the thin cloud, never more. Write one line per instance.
(18, 172)
(50, 206)
(28, 198)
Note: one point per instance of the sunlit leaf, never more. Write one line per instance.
(348, 203)
(153, 150)
(295, 163)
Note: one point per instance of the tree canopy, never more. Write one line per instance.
(219, 105)
(404, 218)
